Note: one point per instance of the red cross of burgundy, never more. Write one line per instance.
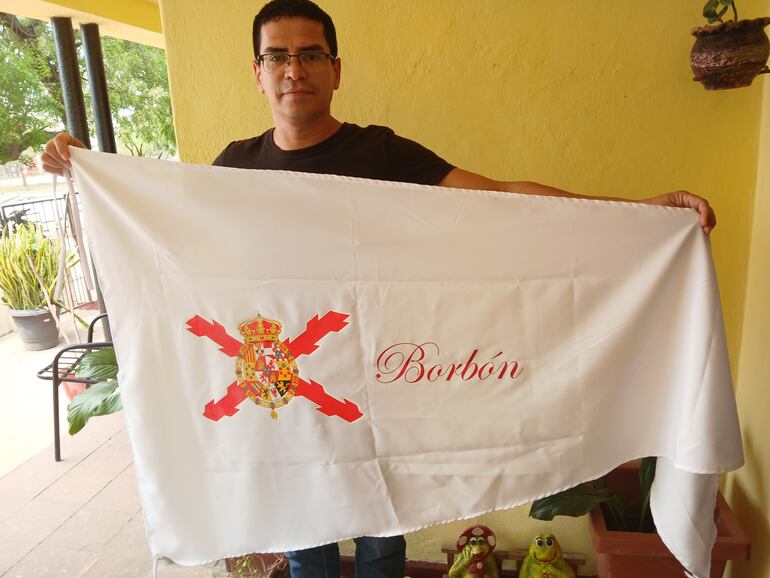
(304, 344)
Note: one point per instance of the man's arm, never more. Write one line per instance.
(460, 179)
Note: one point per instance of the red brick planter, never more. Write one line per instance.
(638, 555)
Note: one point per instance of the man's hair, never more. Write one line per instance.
(277, 9)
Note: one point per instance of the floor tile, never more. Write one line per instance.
(126, 555)
(45, 560)
(35, 521)
(9, 506)
(88, 527)
(32, 477)
(12, 551)
(77, 486)
(120, 494)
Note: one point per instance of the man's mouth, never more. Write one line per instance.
(298, 90)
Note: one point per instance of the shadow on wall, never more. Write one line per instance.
(753, 512)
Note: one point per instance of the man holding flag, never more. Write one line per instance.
(296, 66)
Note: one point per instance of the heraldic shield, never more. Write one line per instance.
(264, 368)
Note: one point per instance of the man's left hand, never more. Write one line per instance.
(708, 219)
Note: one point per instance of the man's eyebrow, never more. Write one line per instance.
(309, 48)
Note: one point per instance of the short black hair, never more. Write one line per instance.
(277, 9)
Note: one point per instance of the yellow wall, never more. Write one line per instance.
(594, 98)
(748, 489)
(135, 20)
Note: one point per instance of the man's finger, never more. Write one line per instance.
(52, 169)
(62, 141)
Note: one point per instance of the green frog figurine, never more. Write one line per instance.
(545, 560)
(474, 554)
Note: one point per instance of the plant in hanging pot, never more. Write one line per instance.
(729, 53)
(623, 531)
(29, 268)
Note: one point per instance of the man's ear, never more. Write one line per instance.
(337, 64)
(257, 74)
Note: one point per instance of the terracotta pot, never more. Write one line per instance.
(638, 555)
(730, 54)
(72, 388)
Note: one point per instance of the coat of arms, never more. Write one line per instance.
(266, 368)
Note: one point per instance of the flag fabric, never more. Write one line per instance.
(309, 358)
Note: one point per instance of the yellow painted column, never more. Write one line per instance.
(748, 489)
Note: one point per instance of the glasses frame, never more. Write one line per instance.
(261, 58)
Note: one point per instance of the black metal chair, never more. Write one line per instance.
(63, 369)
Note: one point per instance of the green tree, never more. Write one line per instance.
(137, 81)
(31, 105)
(31, 109)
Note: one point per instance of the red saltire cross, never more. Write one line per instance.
(304, 344)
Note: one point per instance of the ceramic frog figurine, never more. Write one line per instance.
(545, 560)
(474, 554)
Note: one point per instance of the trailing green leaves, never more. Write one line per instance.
(715, 9)
(99, 399)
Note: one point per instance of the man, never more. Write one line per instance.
(297, 68)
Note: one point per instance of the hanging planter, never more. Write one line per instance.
(729, 54)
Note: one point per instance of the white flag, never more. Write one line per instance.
(308, 358)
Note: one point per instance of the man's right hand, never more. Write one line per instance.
(56, 156)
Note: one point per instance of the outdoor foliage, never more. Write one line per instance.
(27, 260)
(137, 81)
(102, 398)
(31, 109)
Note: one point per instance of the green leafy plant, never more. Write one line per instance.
(715, 9)
(102, 398)
(29, 265)
(583, 498)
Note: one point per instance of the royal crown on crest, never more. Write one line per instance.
(260, 329)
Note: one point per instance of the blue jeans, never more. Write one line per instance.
(375, 558)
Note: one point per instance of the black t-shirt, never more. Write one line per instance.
(374, 152)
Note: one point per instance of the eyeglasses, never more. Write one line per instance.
(310, 61)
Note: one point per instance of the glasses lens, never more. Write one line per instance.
(312, 60)
(272, 62)
(309, 60)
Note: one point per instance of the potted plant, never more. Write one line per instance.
(29, 268)
(623, 531)
(729, 53)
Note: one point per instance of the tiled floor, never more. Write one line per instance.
(77, 517)
(81, 516)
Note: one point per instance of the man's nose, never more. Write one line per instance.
(294, 69)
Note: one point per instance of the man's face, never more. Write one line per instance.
(294, 93)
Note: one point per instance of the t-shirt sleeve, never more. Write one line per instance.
(221, 161)
(410, 162)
